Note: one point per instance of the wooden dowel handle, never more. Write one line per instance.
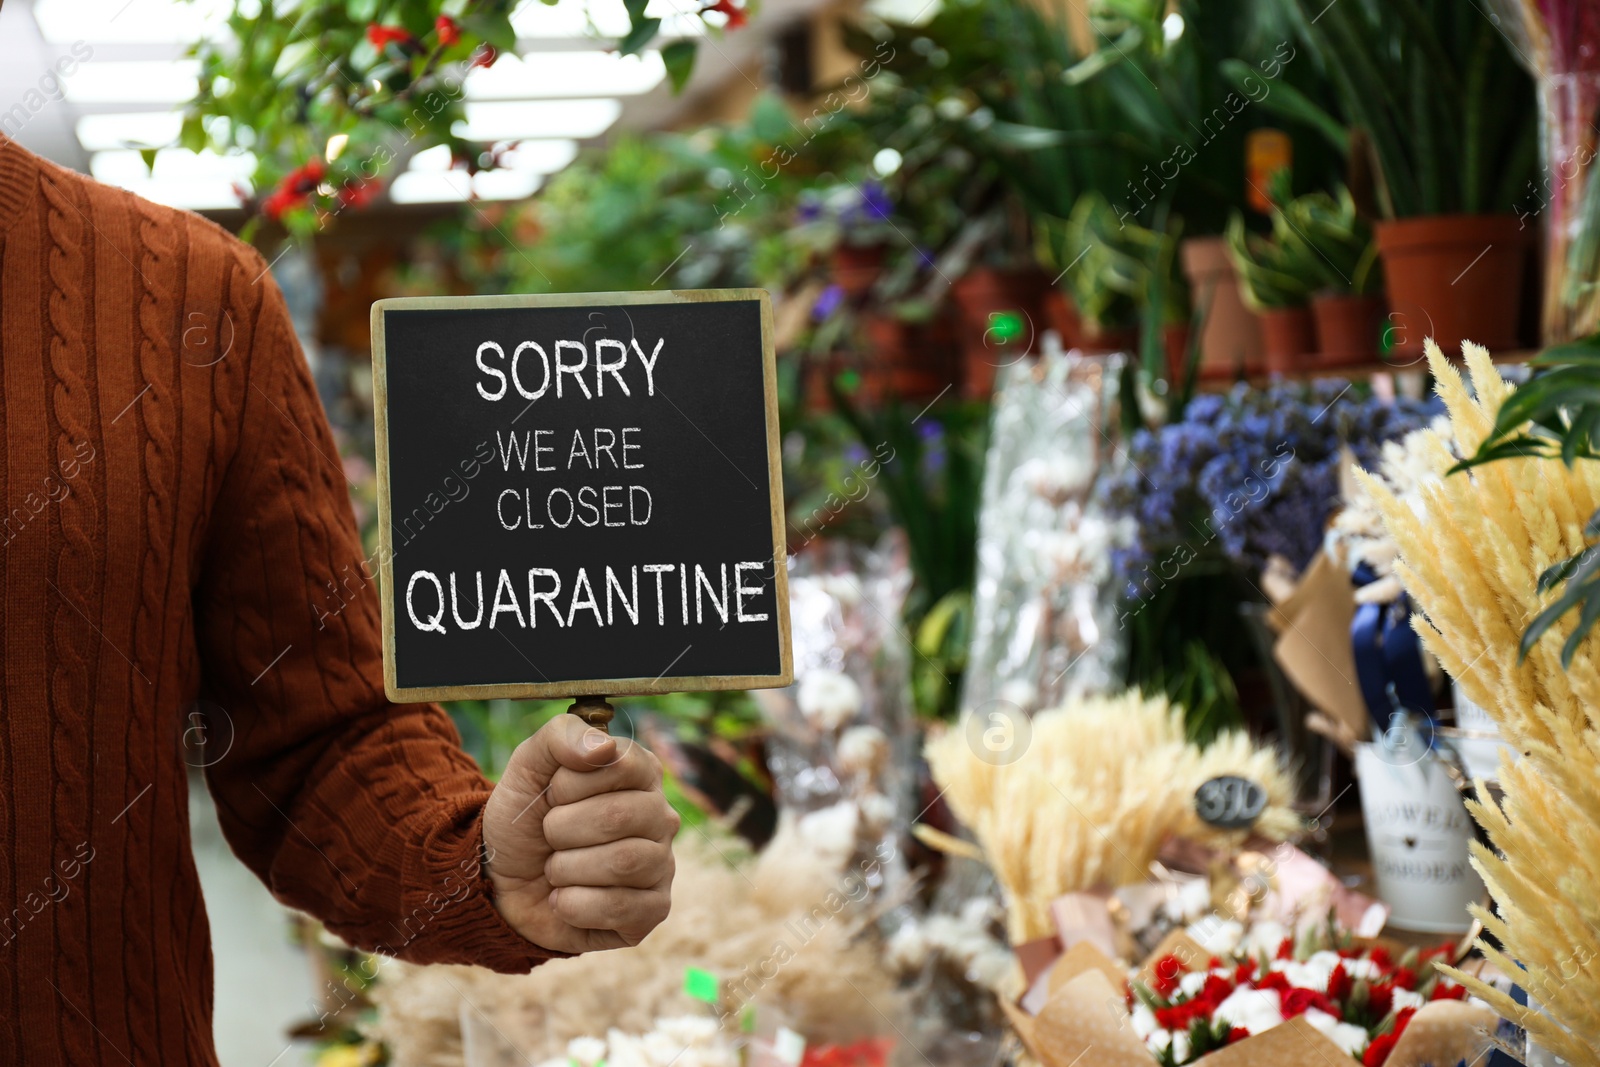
(596, 711)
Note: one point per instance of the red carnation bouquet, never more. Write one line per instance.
(1361, 999)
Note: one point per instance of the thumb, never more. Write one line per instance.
(564, 741)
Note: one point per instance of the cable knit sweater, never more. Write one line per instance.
(176, 513)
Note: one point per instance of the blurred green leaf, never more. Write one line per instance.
(679, 56)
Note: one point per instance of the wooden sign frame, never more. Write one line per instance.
(594, 686)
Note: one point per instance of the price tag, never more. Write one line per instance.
(789, 1047)
(1230, 802)
(701, 985)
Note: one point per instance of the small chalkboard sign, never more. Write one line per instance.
(1230, 802)
(579, 494)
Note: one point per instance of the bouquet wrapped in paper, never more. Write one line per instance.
(1316, 1000)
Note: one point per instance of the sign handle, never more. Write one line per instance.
(594, 710)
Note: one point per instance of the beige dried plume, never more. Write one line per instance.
(1470, 558)
(1102, 784)
(778, 932)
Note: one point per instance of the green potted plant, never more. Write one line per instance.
(1103, 274)
(1347, 304)
(1186, 130)
(851, 224)
(1124, 281)
(1314, 283)
(1275, 282)
(1434, 108)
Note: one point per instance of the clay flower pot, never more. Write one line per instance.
(1061, 315)
(1175, 343)
(1230, 340)
(1288, 337)
(904, 361)
(856, 268)
(1349, 329)
(982, 294)
(1453, 278)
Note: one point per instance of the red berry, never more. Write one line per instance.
(380, 37)
(447, 29)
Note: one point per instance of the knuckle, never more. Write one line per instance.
(630, 860)
(614, 818)
(656, 912)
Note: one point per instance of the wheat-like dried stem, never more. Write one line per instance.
(1103, 783)
(1471, 548)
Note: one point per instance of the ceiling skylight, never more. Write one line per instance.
(455, 186)
(153, 129)
(533, 157)
(567, 74)
(126, 21)
(126, 167)
(181, 178)
(609, 18)
(115, 82)
(516, 120)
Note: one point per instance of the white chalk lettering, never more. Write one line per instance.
(431, 624)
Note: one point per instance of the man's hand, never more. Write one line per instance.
(579, 838)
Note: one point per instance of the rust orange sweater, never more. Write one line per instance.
(175, 513)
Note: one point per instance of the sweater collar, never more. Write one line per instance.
(19, 179)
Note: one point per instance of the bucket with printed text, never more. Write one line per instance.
(1418, 834)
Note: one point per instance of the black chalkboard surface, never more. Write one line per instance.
(579, 494)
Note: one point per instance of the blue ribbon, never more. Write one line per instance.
(1388, 652)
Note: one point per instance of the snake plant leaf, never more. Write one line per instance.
(1289, 103)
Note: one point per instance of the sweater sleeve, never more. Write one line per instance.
(364, 813)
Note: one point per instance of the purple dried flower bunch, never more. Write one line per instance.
(1246, 475)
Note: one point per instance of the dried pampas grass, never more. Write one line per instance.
(1471, 549)
(782, 931)
(1102, 784)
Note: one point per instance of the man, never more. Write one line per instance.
(175, 509)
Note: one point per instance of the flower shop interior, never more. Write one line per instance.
(1189, 414)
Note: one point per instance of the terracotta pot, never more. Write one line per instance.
(817, 374)
(980, 295)
(904, 361)
(1288, 337)
(1061, 315)
(1453, 278)
(856, 268)
(1349, 329)
(1175, 342)
(1230, 341)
